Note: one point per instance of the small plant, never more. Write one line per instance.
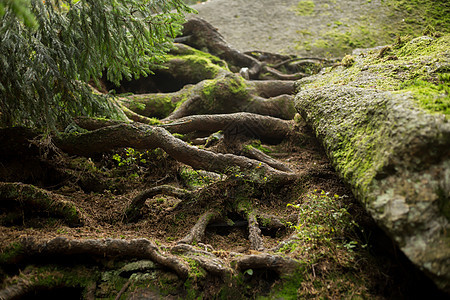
(130, 157)
(324, 223)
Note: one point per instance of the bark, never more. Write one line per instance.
(264, 128)
(142, 136)
(197, 233)
(132, 212)
(112, 248)
(199, 34)
(254, 236)
(30, 198)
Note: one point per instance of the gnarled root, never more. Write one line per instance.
(113, 248)
(30, 198)
(254, 235)
(133, 209)
(142, 136)
(198, 33)
(264, 128)
(277, 263)
(197, 232)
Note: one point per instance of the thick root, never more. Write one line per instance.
(30, 198)
(113, 248)
(264, 128)
(197, 232)
(133, 210)
(277, 263)
(150, 137)
(199, 34)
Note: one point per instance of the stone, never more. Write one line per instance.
(389, 140)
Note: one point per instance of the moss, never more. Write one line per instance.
(304, 8)
(53, 277)
(151, 105)
(226, 90)
(289, 287)
(348, 61)
(10, 253)
(418, 66)
(195, 64)
(418, 15)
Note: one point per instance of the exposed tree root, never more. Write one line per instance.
(113, 248)
(29, 198)
(198, 33)
(150, 137)
(272, 88)
(18, 290)
(254, 235)
(254, 153)
(197, 232)
(277, 263)
(255, 126)
(132, 212)
(226, 94)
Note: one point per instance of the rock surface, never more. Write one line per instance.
(383, 121)
(319, 27)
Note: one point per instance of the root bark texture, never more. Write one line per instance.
(150, 137)
(113, 248)
(197, 232)
(265, 128)
(33, 199)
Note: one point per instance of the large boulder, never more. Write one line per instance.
(383, 118)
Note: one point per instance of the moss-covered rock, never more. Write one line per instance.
(384, 123)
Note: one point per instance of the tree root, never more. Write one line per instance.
(132, 212)
(18, 290)
(264, 128)
(226, 94)
(197, 232)
(254, 236)
(277, 263)
(142, 136)
(254, 153)
(113, 248)
(31, 198)
(199, 34)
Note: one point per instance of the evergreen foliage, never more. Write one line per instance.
(49, 50)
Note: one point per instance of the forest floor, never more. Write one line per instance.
(102, 212)
(305, 28)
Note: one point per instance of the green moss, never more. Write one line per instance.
(304, 8)
(195, 65)
(224, 91)
(431, 97)
(420, 15)
(52, 276)
(289, 287)
(151, 105)
(418, 66)
(11, 252)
